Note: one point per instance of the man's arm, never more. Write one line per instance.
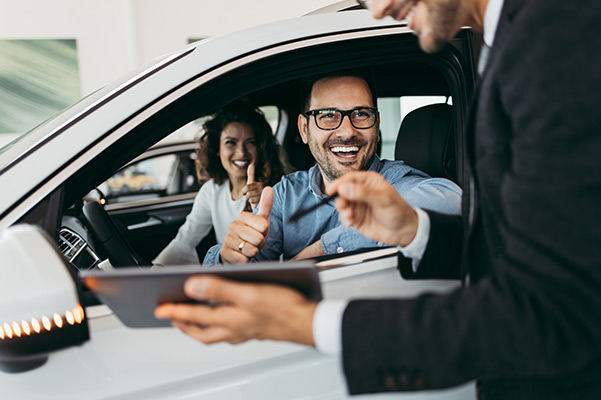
(437, 194)
(312, 251)
(536, 313)
(374, 208)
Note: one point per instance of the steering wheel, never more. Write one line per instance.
(120, 253)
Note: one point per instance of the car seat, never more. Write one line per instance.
(426, 141)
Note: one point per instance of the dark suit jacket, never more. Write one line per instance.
(529, 321)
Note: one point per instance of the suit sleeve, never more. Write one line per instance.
(442, 258)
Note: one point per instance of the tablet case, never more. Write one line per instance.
(134, 293)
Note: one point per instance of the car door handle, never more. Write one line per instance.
(151, 221)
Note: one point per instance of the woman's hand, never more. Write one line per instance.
(253, 189)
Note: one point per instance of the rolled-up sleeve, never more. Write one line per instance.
(212, 256)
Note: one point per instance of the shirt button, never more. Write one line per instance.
(380, 244)
(339, 250)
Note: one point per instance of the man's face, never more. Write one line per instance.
(346, 148)
(435, 22)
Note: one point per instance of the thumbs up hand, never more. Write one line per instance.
(248, 233)
(253, 189)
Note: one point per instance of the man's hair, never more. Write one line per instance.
(268, 167)
(306, 84)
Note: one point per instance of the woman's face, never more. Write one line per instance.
(237, 149)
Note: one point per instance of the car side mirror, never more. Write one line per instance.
(40, 310)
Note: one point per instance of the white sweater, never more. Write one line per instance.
(213, 207)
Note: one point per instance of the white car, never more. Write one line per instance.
(51, 348)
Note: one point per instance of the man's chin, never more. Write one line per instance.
(344, 168)
(337, 167)
(430, 45)
(432, 41)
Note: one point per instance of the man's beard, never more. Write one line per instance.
(441, 25)
(328, 165)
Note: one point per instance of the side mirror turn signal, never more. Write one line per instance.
(40, 310)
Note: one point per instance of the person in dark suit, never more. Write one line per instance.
(527, 324)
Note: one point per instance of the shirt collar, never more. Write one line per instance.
(315, 175)
(491, 20)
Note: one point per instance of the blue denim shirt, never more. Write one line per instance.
(301, 189)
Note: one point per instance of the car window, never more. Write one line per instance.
(154, 177)
(193, 130)
(392, 112)
(173, 172)
(272, 115)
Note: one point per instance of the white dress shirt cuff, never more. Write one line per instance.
(327, 326)
(327, 320)
(416, 249)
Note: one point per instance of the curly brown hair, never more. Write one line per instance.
(268, 166)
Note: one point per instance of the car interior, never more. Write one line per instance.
(429, 138)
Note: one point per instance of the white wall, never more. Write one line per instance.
(115, 36)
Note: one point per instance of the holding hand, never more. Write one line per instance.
(253, 189)
(247, 311)
(248, 233)
(373, 207)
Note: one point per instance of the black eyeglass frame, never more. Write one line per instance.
(344, 113)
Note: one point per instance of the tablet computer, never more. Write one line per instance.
(134, 293)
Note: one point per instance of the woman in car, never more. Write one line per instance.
(236, 157)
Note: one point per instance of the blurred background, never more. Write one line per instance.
(53, 52)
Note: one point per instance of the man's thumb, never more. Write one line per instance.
(266, 202)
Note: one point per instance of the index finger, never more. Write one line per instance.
(348, 178)
(250, 174)
(359, 185)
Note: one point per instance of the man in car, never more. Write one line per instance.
(340, 124)
(527, 325)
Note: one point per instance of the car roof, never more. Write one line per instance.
(339, 6)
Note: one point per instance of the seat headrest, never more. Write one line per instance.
(426, 141)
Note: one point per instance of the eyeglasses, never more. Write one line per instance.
(329, 119)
